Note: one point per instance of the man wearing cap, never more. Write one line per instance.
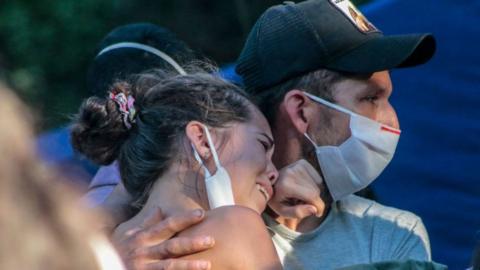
(321, 78)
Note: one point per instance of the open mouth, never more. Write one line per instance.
(264, 192)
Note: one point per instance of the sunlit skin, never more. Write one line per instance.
(367, 96)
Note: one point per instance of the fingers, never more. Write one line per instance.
(312, 172)
(315, 197)
(177, 247)
(178, 265)
(300, 211)
(318, 204)
(297, 192)
(152, 218)
(304, 195)
(169, 227)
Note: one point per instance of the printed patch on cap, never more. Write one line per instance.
(354, 15)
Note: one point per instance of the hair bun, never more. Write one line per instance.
(99, 130)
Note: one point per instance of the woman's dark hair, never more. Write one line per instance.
(164, 106)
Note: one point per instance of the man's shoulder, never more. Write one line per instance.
(404, 231)
(365, 209)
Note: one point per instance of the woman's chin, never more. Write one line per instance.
(261, 205)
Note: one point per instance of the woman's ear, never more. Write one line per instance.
(299, 109)
(195, 132)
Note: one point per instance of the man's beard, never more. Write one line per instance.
(309, 154)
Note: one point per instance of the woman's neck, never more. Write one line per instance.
(176, 191)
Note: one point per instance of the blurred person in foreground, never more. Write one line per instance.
(41, 226)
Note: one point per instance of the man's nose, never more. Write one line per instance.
(388, 117)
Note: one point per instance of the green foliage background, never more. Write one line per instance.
(47, 45)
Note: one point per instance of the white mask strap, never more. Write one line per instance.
(146, 48)
(328, 104)
(212, 147)
(341, 109)
(200, 161)
(310, 139)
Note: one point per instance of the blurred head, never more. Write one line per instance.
(117, 58)
(171, 117)
(42, 227)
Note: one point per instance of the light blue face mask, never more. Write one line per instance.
(359, 160)
(218, 184)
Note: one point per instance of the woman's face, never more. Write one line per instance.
(247, 156)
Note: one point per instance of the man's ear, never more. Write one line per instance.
(195, 132)
(299, 109)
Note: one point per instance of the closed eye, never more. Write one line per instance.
(265, 145)
(372, 95)
(266, 141)
(371, 99)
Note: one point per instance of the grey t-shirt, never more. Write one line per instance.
(355, 231)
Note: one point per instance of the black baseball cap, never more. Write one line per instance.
(291, 39)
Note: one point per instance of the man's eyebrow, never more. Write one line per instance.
(373, 89)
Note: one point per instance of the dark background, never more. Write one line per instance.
(47, 45)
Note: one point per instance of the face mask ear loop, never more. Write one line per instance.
(200, 161)
(212, 148)
(310, 139)
(329, 104)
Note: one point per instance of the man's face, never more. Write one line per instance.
(368, 96)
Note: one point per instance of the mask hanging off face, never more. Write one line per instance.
(218, 185)
(358, 161)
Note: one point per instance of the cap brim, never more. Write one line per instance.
(387, 52)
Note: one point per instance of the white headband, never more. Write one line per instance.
(146, 48)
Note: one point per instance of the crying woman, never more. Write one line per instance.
(187, 142)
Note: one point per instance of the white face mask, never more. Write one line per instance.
(218, 185)
(359, 160)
